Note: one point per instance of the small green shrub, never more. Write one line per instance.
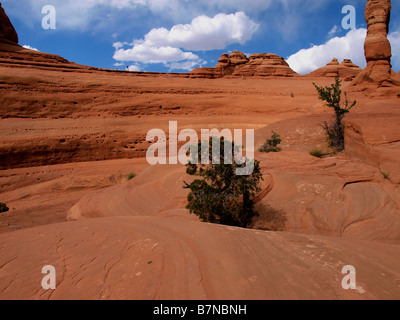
(332, 96)
(3, 207)
(219, 195)
(386, 174)
(130, 176)
(271, 145)
(317, 153)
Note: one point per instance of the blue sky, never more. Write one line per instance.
(179, 35)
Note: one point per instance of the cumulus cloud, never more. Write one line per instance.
(149, 54)
(394, 39)
(351, 46)
(205, 33)
(172, 58)
(78, 14)
(30, 48)
(134, 67)
(165, 46)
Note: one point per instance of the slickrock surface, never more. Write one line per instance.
(71, 134)
(167, 258)
(343, 195)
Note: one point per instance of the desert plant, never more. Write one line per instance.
(130, 176)
(222, 196)
(271, 145)
(385, 174)
(3, 207)
(332, 95)
(317, 153)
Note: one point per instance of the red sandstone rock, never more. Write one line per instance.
(159, 251)
(224, 60)
(238, 58)
(204, 73)
(377, 16)
(378, 73)
(7, 31)
(156, 258)
(347, 69)
(238, 65)
(273, 65)
(11, 53)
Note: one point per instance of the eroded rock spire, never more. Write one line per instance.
(377, 47)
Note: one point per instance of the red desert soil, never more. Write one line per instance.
(70, 135)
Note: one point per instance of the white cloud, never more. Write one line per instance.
(118, 45)
(186, 65)
(100, 15)
(165, 46)
(134, 67)
(394, 39)
(177, 9)
(84, 14)
(334, 31)
(30, 48)
(205, 33)
(148, 54)
(351, 46)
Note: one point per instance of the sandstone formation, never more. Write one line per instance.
(204, 73)
(238, 65)
(7, 31)
(148, 258)
(68, 136)
(347, 70)
(264, 65)
(298, 189)
(13, 54)
(378, 73)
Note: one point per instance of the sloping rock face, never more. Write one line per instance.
(11, 53)
(346, 195)
(142, 258)
(347, 70)
(204, 73)
(238, 65)
(378, 72)
(7, 31)
(16, 56)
